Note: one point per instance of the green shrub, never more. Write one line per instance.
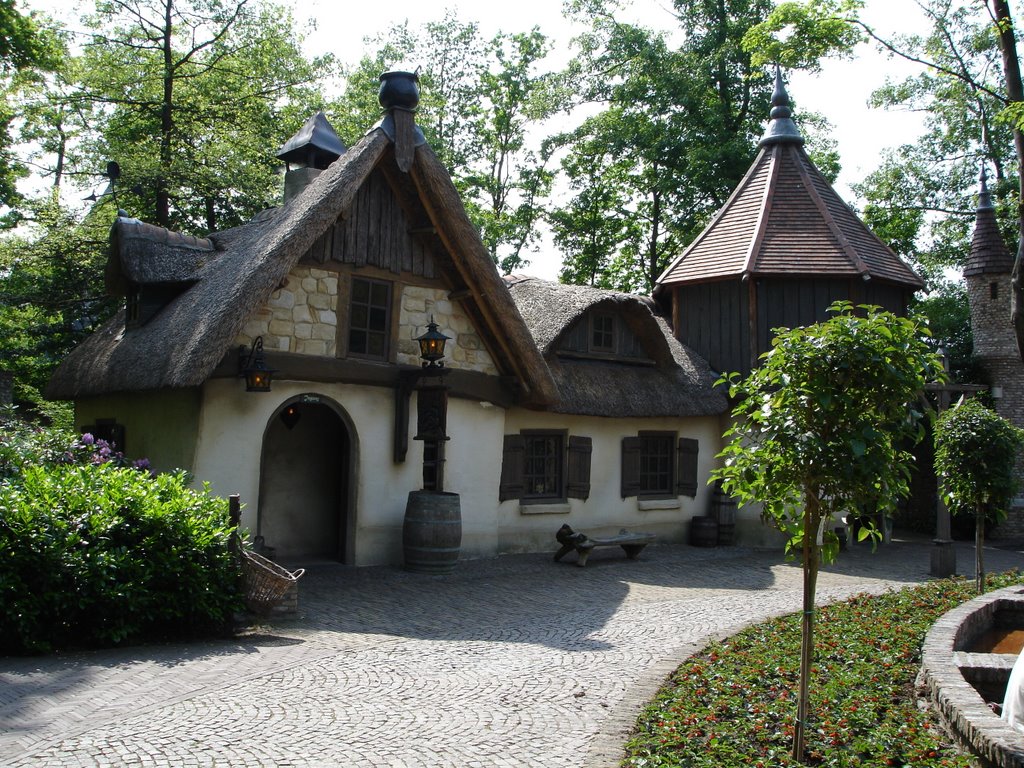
(97, 554)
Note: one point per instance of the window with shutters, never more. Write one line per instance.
(657, 465)
(543, 466)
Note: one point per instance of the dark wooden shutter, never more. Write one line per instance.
(578, 485)
(686, 467)
(513, 455)
(631, 447)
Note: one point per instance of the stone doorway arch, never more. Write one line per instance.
(307, 481)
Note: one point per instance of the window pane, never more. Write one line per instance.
(375, 344)
(378, 319)
(359, 316)
(656, 459)
(360, 291)
(379, 295)
(543, 466)
(357, 342)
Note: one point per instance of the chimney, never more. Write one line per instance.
(311, 150)
(400, 95)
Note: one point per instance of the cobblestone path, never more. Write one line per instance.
(515, 661)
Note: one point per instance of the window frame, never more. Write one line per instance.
(558, 455)
(370, 306)
(684, 467)
(649, 439)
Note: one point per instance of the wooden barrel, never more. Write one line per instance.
(432, 531)
(703, 531)
(723, 509)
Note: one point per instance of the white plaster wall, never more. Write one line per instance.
(231, 427)
(473, 469)
(529, 528)
(232, 423)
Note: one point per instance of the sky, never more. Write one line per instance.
(839, 91)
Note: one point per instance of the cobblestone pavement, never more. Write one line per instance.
(515, 661)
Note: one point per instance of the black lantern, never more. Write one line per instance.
(253, 367)
(432, 345)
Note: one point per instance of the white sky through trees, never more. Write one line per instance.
(839, 91)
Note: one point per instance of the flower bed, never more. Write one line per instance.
(734, 703)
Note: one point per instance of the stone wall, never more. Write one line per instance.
(990, 316)
(301, 317)
(995, 349)
(465, 350)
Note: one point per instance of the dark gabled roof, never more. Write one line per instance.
(989, 254)
(784, 219)
(183, 343)
(315, 142)
(679, 383)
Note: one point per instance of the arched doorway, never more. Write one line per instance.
(306, 486)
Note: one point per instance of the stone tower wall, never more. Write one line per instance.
(995, 349)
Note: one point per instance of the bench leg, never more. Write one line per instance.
(565, 550)
(632, 550)
(583, 555)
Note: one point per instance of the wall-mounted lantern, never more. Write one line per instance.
(432, 345)
(253, 367)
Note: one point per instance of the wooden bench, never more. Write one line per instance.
(631, 543)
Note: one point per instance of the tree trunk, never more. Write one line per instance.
(163, 197)
(1014, 93)
(812, 559)
(980, 515)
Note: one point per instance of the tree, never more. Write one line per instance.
(480, 99)
(975, 455)
(192, 98)
(24, 48)
(821, 429)
(678, 129)
(51, 291)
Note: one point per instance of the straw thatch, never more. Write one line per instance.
(678, 383)
(144, 253)
(183, 343)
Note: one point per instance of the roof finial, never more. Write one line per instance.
(781, 127)
(984, 196)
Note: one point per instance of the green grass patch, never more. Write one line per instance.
(734, 704)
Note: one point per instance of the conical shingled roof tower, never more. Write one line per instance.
(987, 274)
(778, 253)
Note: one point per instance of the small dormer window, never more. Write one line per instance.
(602, 333)
(132, 312)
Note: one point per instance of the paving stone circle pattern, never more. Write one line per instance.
(514, 661)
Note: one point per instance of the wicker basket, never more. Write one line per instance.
(265, 581)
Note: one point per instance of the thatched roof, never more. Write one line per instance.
(678, 383)
(183, 344)
(144, 253)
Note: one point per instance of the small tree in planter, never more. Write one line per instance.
(975, 454)
(820, 429)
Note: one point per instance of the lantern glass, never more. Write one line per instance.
(432, 343)
(254, 367)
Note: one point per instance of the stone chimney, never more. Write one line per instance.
(311, 150)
